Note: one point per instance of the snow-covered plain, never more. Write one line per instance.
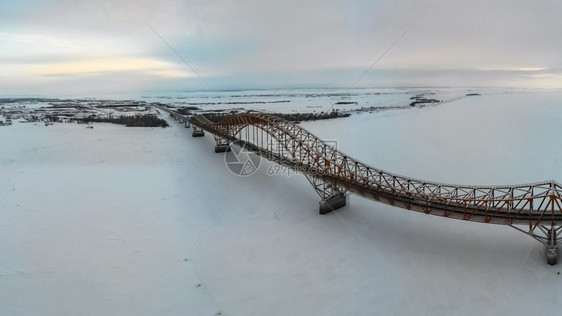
(307, 100)
(90, 219)
(272, 101)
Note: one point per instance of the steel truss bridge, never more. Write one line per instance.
(534, 209)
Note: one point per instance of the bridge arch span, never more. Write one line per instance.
(535, 209)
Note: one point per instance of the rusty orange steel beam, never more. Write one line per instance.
(508, 205)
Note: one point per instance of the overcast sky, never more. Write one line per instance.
(57, 47)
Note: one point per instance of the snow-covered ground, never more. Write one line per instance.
(308, 100)
(272, 101)
(90, 219)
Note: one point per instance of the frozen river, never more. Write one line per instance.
(90, 219)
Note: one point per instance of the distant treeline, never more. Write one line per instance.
(419, 99)
(186, 110)
(237, 103)
(145, 120)
(292, 117)
(300, 117)
(16, 100)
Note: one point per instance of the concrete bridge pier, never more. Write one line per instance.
(552, 247)
(551, 255)
(221, 145)
(332, 203)
(333, 197)
(197, 131)
(187, 125)
(221, 148)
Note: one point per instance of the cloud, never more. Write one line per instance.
(462, 42)
(109, 65)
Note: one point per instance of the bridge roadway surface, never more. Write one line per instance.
(534, 209)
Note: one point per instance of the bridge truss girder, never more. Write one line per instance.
(536, 206)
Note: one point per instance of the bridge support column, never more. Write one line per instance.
(187, 125)
(332, 203)
(333, 197)
(221, 145)
(552, 248)
(197, 132)
(552, 255)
